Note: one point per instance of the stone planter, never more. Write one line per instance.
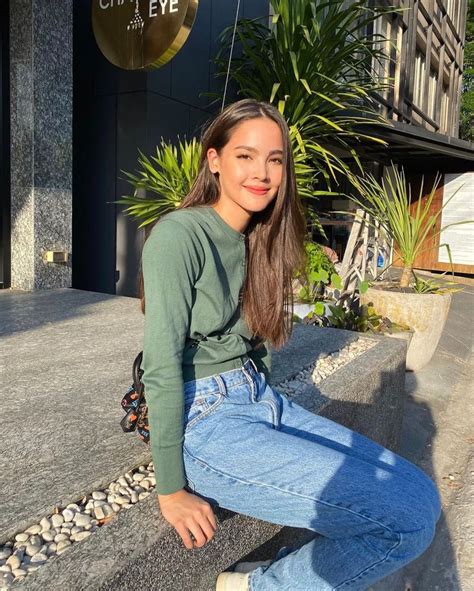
(426, 314)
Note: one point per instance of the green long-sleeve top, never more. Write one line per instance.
(194, 266)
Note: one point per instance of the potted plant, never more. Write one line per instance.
(422, 305)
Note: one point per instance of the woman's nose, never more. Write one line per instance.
(261, 170)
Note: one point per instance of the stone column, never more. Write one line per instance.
(41, 141)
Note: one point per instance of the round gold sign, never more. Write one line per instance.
(142, 34)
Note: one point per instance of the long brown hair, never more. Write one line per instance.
(275, 236)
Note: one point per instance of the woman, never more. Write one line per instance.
(217, 286)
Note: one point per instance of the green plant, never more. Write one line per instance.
(343, 309)
(434, 286)
(317, 271)
(315, 62)
(389, 203)
(169, 176)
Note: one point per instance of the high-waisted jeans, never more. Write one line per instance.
(249, 449)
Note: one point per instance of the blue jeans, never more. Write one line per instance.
(249, 449)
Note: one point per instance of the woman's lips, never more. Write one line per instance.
(256, 190)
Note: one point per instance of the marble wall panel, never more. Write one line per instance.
(41, 140)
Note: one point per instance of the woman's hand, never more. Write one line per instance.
(189, 514)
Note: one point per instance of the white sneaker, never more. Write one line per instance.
(246, 567)
(230, 581)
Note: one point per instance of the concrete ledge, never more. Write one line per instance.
(77, 354)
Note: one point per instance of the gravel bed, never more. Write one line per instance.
(56, 533)
(324, 367)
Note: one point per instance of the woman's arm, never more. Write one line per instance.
(171, 263)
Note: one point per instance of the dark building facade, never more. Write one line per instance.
(76, 122)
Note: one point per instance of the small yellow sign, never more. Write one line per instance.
(142, 34)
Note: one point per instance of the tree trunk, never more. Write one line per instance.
(406, 276)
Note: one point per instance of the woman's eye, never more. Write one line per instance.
(277, 160)
(243, 156)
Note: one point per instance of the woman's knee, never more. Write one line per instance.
(418, 531)
(415, 543)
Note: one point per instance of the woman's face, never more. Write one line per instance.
(250, 165)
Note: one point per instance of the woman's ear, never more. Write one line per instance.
(213, 160)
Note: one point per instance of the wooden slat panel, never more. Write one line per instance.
(429, 259)
(460, 208)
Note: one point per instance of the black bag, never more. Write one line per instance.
(134, 404)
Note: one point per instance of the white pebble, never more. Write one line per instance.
(57, 519)
(5, 568)
(35, 541)
(5, 553)
(99, 513)
(45, 525)
(82, 519)
(75, 530)
(115, 507)
(19, 572)
(21, 537)
(62, 546)
(34, 529)
(32, 550)
(68, 515)
(73, 507)
(107, 509)
(61, 538)
(98, 495)
(14, 562)
(82, 535)
(40, 557)
(138, 476)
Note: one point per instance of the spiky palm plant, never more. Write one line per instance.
(315, 62)
(169, 176)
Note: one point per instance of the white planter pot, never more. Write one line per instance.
(426, 314)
